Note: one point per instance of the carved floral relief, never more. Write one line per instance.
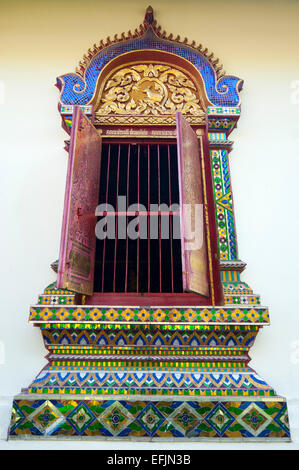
(147, 89)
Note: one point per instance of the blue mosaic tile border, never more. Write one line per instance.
(76, 90)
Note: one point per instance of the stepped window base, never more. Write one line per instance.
(149, 418)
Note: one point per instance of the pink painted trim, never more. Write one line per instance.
(171, 221)
(127, 239)
(104, 247)
(146, 298)
(233, 205)
(65, 218)
(138, 200)
(148, 220)
(135, 213)
(182, 194)
(116, 221)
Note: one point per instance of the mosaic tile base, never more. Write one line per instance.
(148, 419)
(81, 313)
(79, 90)
(149, 382)
(150, 373)
(57, 336)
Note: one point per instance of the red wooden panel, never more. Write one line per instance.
(146, 298)
(195, 262)
(78, 240)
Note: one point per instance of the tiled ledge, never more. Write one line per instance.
(250, 315)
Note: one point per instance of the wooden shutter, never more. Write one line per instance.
(195, 263)
(78, 241)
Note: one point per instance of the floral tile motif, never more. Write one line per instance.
(185, 419)
(116, 418)
(282, 419)
(227, 246)
(254, 419)
(81, 417)
(46, 418)
(220, 419)
(17, 416)
(228, 336)
(150, 419)
(152, 381)
(81, 313)
(71, 83)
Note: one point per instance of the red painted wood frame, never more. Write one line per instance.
(152, 161)
(172, 299)
(78, 240)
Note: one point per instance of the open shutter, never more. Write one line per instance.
(78, 240)
(195, 264)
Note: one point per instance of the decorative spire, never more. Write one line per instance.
(149, 22)
(149, 15)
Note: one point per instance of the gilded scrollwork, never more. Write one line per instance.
(149, 89)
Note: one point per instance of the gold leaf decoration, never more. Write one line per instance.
(149, 89)
(138, 33)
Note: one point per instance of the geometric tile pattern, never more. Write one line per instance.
(81, 313)
(149, 382)
(46, 418)
(220, 419)
(185, 418)
(236, 288)
(242, 299)
(79, 90)
(227, 247)
(116, 418)
(56, 299)
(221, 124)
(151, 372)
(148, 419)
(254, 419)
(201, 338)
(53, 290)
(81, 417)
(220, 110)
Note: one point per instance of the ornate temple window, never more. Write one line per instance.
(150, 89)
(141, 176)
(147, 336)
(160, 176)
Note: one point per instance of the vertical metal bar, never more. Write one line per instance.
(127, 242)
(182, 195)
(116, 221)
(159, 219)
(138, 196)
(170, 218)
(104, 247)
(148, 220)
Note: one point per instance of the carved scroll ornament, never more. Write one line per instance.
(149, 89)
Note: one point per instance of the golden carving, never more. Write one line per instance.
(149, 90)
(139, 32)
(143, 120)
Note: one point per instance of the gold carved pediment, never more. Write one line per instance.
(148, 94)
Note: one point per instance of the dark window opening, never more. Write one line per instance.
(145, 174)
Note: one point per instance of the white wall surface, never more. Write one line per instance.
(257, 41)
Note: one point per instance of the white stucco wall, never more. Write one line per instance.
(256, 41)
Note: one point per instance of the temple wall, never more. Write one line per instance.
(256, 41)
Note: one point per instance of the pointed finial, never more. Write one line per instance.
(149, 15)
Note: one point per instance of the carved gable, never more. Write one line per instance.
(149, 90)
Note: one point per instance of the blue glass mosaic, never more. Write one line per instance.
(78, 91)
